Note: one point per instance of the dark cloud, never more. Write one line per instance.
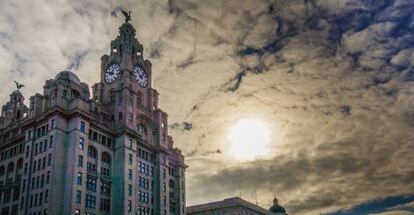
(333, 79)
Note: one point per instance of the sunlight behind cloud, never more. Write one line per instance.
(250, 139)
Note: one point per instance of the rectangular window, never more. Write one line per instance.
(51, 142)
(80, 161)
(130, 159)
(91, 184)
(105, 188)
(48, 177)
(130, 175)
(79, 178)
(90, 201)
(52, 124)
(46, 195)
(129, 190)
(78, 196)
(82, 126)
(49, 160)
(129, 206)
(81, 143)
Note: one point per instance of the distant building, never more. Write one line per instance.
(109, 153)
(234, 206)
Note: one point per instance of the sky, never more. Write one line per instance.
(333, 80)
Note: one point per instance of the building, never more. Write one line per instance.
(235, 206)
(109, 153)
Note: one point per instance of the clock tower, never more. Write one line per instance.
(125, 95)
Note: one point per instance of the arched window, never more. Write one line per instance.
(142, 129)
(20, 164)
(106, 157)
(92, 152)
(1, 170)
(10, 167)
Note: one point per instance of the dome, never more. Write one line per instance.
(68, 76)
(276, 208)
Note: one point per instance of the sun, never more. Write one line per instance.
(249, 139)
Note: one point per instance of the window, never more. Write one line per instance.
(142, 129)
(46, 195)
(129, 190)
(48, 177)
(105, 204)
(80, 161)
(105, 188)
(81, 143)
(92, 152)
(91, 167)
(52, 124)
(130, 117)
(130, 143)
(10, 167)
(106, 158)
(79, 178)
(49, 160)
(91, 184)
(51, 142)
(82, 126)
(129, 174)
(90, 201)
(129, 206)
(130, 159)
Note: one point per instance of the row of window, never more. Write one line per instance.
(102, 139)
(90, 201)
(12, 152)
(7, 195)
(40, 147)
(93, 153)
(91, 184)
(145, 155)
(144, 210)
(144, 182)
(37, 199)
(37, 181)
(10, 167)
(145, 168)
(39, 164)
(6, 210)
(143, 196)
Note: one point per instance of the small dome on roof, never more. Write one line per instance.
(276, 208)
(68, 76)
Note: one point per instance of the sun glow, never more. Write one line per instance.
(250, 138)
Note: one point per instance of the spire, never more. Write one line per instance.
(275, 201)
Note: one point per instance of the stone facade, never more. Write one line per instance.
(109, 153)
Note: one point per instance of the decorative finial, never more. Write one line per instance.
(18, 85)
(127, 16)
(275, 201)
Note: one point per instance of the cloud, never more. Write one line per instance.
(333, 79)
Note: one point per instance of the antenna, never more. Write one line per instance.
(255, 196)
(240, 193)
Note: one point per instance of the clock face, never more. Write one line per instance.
(112, 73)
(141, 76)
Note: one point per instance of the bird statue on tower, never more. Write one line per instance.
(127, 16)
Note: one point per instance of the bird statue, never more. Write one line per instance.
(127, 16)
(18, 85)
